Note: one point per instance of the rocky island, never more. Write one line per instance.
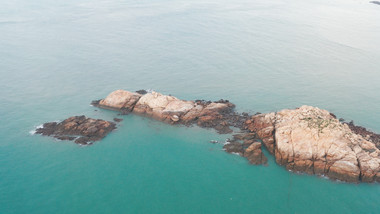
(306, 139)
(80, 129)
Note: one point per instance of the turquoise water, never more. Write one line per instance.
(55, 57)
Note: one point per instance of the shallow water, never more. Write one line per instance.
(55, 57)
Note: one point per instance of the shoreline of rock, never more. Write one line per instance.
(307, 139)
(303, 140)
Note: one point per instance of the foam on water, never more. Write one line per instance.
(32, 132)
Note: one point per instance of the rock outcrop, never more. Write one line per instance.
(218, 115)
(119, 100)
(81, 129)
(312, 140)
(263, 126)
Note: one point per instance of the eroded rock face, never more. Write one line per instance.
(312, 140)
(81, 129)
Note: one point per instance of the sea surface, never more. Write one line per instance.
(58, 56)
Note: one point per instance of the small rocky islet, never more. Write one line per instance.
(306, 139)
(80, 129)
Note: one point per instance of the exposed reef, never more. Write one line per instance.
(80, 129)
(306, 139)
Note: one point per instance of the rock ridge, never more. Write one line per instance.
(219, 115)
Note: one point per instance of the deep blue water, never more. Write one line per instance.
(55, 57)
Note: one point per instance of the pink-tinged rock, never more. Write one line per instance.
(162, 107)
(312, 140)
(120, 100)
(263, 125)
(254, 154)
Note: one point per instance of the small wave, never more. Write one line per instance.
(235, 153)
(324, 177)
(32, 132)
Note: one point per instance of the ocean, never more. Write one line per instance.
(58, 56)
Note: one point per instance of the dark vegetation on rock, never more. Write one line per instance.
(118, 120)
(375, 138)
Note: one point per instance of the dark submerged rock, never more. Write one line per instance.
(95, 102)
(254, 154)
(79, 128)
(117, 119)
(375, 2)
(234, 147)
(250, 148)
(142, 92)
